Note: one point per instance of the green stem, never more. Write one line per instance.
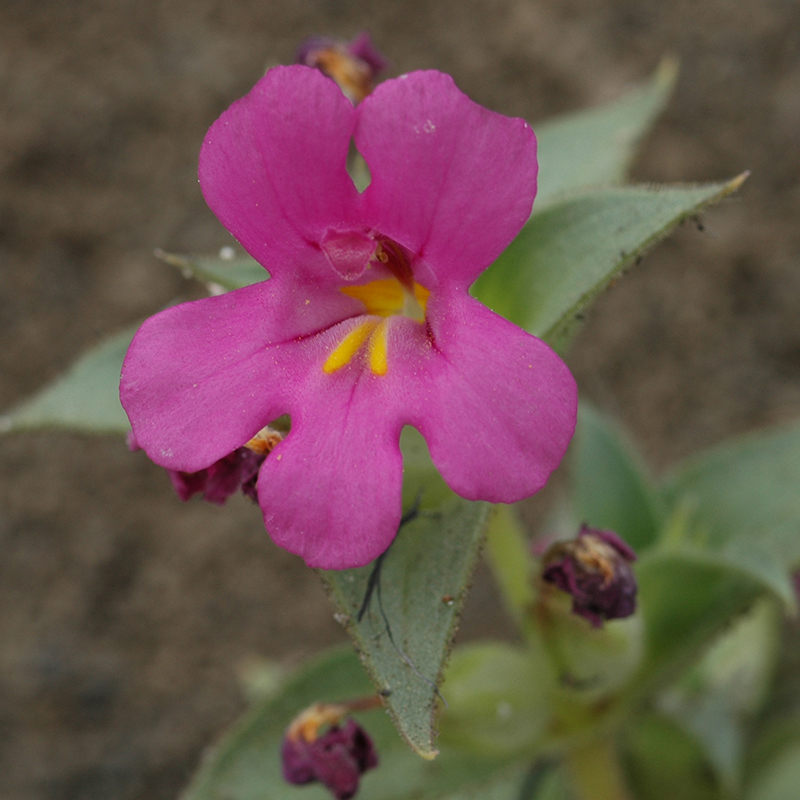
(510, 560)
(595, 771)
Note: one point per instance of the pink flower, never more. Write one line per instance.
(366, 324)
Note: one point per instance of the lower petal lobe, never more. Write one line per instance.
(497, 407)
(331, 491)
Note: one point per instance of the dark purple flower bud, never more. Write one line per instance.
(225, 477)
(337, 758)
(353, 65)
(222, 479)
(595, 570)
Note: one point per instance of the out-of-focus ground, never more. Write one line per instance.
(125, 615)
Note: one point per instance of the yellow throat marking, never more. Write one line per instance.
(384, 298)
(349, 346)
(387, 297)
(377, 349)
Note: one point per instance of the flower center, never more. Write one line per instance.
(385, 298)
(388, 297)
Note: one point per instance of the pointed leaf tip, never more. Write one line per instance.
(569, 252)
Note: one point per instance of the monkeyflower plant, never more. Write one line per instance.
(379, 366)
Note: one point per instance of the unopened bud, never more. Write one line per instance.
(595, 570)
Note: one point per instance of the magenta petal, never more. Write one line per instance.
(331, 491)
(273, 169)
(200, 379)
(451, 181)
(452, 184)
(499, 406)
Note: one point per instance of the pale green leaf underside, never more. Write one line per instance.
(743, 502)
(686, 596)
(569, 252)
(713, 700)
(611, 488)
(246, 765)
(230, 274)
(596, 146)
(423, 585)
(85, 398)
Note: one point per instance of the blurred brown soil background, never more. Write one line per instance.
(125, 616)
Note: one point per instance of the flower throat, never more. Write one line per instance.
(385, 298)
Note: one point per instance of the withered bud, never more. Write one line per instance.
(595, 569)
(237, 470)
(336, 758)
(222, 479)
(353, 65)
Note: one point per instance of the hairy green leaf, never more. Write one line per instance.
(408, 624)
(85, 399)
(596, 146)
(246, 765)
(567, 254)
(686, 597)
(422, 482)
(715, 698)
(743, 503)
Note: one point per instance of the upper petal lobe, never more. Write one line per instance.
(273, 170)
(451, 181)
